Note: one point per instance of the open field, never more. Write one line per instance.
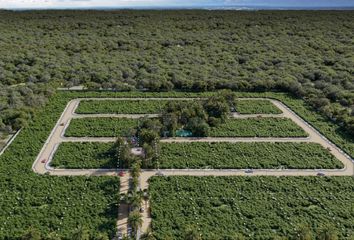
(250, 207)
(195, 155)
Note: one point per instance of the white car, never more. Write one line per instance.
(159, 173)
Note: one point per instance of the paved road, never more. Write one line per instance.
(123, 211)
(57, 136)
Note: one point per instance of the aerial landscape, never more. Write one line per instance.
(186, 120)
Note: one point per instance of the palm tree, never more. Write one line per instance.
(135, 220)
(135, 184)
(135, 200)
(135, 170)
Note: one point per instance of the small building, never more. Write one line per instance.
(137, 151)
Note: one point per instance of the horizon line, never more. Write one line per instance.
(189, 7)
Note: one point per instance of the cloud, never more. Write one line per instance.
(9, 4)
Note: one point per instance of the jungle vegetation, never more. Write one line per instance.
(306, 53)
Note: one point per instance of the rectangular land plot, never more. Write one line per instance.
(100, 127)
(256, 106)
(256, 155)
(251, 127)
(86, 155)
(121, 106)
(258, 127)
(198, 155)
(250, 207)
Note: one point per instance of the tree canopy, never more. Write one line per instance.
(307, 53)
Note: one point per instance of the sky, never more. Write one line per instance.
(13, 4)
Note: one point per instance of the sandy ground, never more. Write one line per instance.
(41, 164)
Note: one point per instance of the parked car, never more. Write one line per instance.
(159, 173)
(321, 174)
(44, 161)
(130, 231)
(249, 171)
(121, 174)
(142, 209)
(120, 236)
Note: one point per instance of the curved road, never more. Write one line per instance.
(57, 136)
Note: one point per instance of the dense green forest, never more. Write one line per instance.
(307, 53)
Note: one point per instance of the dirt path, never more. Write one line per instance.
(57, 136)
